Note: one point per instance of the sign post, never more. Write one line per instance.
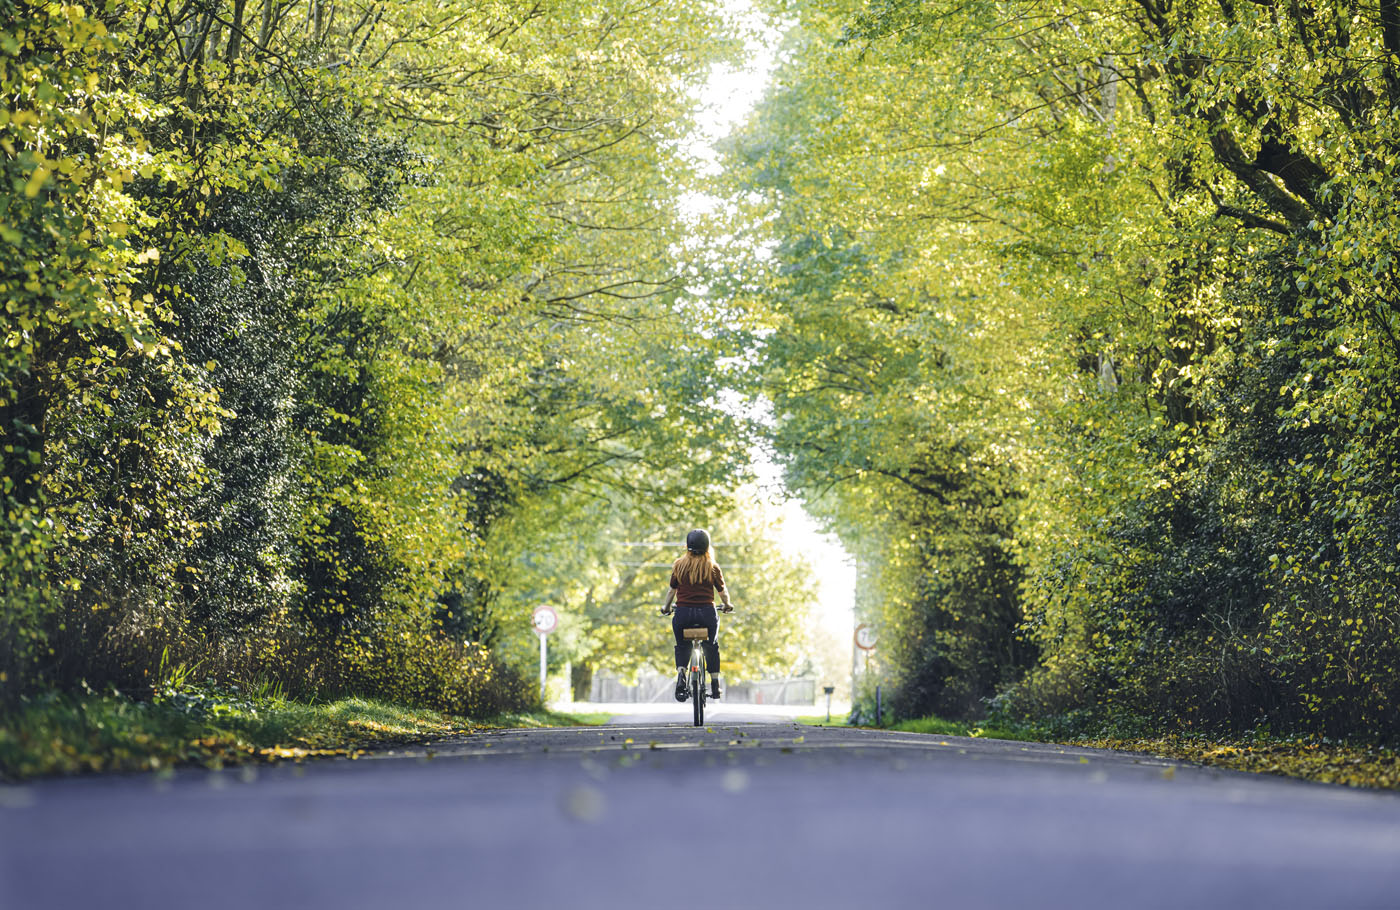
(544, 620)
(865, 640)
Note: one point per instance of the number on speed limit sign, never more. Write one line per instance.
(545, 619)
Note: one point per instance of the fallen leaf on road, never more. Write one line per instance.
(735, 780)
(583, 803)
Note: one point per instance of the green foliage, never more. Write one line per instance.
(865, 365)
(312, 311)
(1107, 337)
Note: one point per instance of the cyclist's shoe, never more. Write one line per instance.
(682, 691)
(714, 689)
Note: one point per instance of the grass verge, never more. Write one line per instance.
(819, 720)
(936, 726)
(570, 719)
(66, 735)
(1310, 759)
(1315, 759)
(941, 727)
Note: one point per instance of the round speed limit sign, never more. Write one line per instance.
(865, 637)
(545, 619)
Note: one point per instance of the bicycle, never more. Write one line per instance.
(695, 667)
(696, 671)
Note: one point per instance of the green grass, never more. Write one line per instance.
(548, 719)
(579, 719)
(66, 735)
(940, 727)
(1307, 758)
(936, 726)
(819, 720)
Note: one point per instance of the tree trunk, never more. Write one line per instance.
(235, 32)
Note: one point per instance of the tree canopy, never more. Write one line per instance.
(323, 319)
(1097, 303)
(337, 335)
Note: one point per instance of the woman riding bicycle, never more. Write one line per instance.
(695, 578)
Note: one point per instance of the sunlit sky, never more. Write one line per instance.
(725, 99)
(832, 567)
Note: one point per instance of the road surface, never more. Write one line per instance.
(742, 814)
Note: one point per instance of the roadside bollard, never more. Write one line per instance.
(828, 690)
(879, 718)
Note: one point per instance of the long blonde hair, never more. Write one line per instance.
(696, 570)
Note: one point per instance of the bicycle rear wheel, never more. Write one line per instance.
(697, 694)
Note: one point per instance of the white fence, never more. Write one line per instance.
(656, 687)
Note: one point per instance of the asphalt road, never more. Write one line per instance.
(642, 814)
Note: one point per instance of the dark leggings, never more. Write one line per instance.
(696, 618)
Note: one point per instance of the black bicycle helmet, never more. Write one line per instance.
(698, 542)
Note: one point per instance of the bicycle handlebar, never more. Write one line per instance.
(667, 611)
